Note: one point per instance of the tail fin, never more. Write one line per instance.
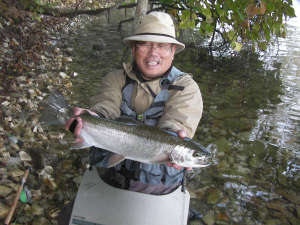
(55, 109)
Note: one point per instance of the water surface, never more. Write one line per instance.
(251, 117)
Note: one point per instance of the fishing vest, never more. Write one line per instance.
(156, 174)
(154, 112)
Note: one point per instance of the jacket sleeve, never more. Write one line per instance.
(184, 108)
(108, 100)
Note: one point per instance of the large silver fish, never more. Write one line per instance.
(132, 140)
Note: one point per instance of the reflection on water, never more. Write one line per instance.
(284, 119)
(251, 116)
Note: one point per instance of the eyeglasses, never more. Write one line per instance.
(161, 47)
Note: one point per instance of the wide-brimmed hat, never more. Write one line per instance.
(156, 27)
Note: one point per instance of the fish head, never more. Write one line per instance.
(186, 157)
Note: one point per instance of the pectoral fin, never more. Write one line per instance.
(114, 160)
(81, 145)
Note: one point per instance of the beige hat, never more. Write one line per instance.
(156, 27)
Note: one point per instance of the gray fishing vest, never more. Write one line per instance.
(156, 174)
(155, 111)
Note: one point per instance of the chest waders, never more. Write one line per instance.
(98, 201)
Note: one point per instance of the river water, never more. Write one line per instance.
(251, 118)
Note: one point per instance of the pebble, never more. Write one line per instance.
(37, 210)
(4, 190)
(209, 218)
(68, 59)
(24, 156)
(3, 210)
(16, 173)
(41, 221)
(214, 196)
(63, 75)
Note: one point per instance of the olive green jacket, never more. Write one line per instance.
(183, 110)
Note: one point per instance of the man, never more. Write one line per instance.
(153, 91)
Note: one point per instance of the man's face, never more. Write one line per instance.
(152, 58)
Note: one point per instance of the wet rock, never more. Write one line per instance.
(47, 171)
(214, 196)
(199, 193)
(273, 222)
(209, 218)
(24, 156)
(37, 158)
(74, 74)
(4, 190)
(293, 220)
(67, 59)
(226, 113)
(222, 217)
(54, 212)
(13, 145)
(255, 162)
(67, 164)
(238, 125)
(16, 173)
(69, 50)
(196, 222)
(41, 221)
(77, 180)
(50, 183)
(291, 196)
(282, 179)
(298, 211)
(223, 145)
(36, 209)
(244, 136)
(296, 183)
(256, 149)
(242, 170)
(63, 75)
(3, 210)
(36, 194)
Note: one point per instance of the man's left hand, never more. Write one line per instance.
(181, 134)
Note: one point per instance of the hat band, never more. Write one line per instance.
(166, 35)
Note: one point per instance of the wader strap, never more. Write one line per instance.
(183, 183)
(151, 91)
(175, 87)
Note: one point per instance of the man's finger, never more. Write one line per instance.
(181, 133)
(69, 122)
(77, 111)
(78, 127)
(175, 166)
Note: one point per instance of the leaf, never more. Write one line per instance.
(209, 20)
(238, 46)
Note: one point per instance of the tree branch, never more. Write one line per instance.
(127, 6)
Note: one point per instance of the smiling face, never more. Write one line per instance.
(153, 59)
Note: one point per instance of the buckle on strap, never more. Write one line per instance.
(140, 117)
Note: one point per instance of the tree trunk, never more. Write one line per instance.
(140, 12)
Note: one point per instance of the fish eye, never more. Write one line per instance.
(197, 154)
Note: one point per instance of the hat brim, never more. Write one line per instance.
(155, 38)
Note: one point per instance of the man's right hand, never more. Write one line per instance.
(75, 124)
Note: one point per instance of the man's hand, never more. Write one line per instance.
(77, 121)
(181, 134)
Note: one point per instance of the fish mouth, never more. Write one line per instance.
(199, 162)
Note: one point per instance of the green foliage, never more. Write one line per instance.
(238, 22)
